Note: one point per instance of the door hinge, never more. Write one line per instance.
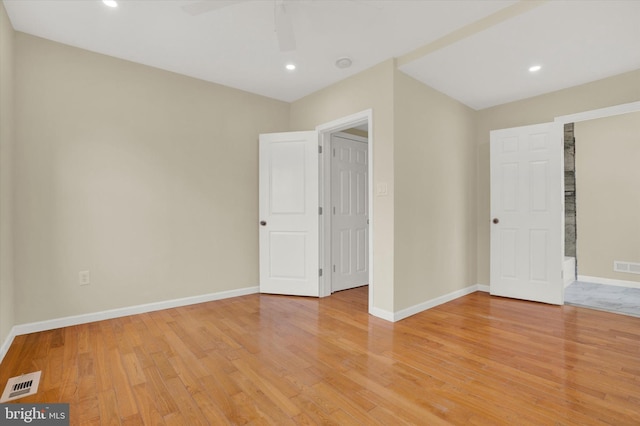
(319, 149)
(334, 268)
(320, 210)
(320, 272)
(334, 152)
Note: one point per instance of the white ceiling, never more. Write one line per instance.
(236, 44)
(575, 42)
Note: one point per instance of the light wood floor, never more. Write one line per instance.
(263, 359)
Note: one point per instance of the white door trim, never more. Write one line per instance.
(324, 133)
(597, 113)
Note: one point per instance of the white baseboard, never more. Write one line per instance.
(156, 306)
(7, 343)
(116, 313)
(569, 270)
(483, 287)
(397, 316)
(608, 281)
(381, 313)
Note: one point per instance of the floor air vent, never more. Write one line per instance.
(628, 267)
(21, 386)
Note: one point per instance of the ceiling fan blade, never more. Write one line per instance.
(284, 29)
(204, 6)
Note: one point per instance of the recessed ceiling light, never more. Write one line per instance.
(290, 67)
(535, 68)
(344, 62)
(110, 3)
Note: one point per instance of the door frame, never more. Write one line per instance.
(595, 114)
(324, 136)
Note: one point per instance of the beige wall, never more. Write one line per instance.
(126, 175)
(6, 200)
(126, 171)
(435, 206)
(611, 91)
(608, 195)
(373, 89)
(143, 177)
(424, 150)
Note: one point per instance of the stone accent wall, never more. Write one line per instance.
(569, 191)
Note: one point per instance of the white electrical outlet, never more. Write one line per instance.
(84, 278)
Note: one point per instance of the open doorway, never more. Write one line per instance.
(601, 194)
(345, 185)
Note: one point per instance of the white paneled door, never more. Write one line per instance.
(526, 214)
(349, 227)
(288, 208)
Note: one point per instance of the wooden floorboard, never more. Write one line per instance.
(263, 359)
